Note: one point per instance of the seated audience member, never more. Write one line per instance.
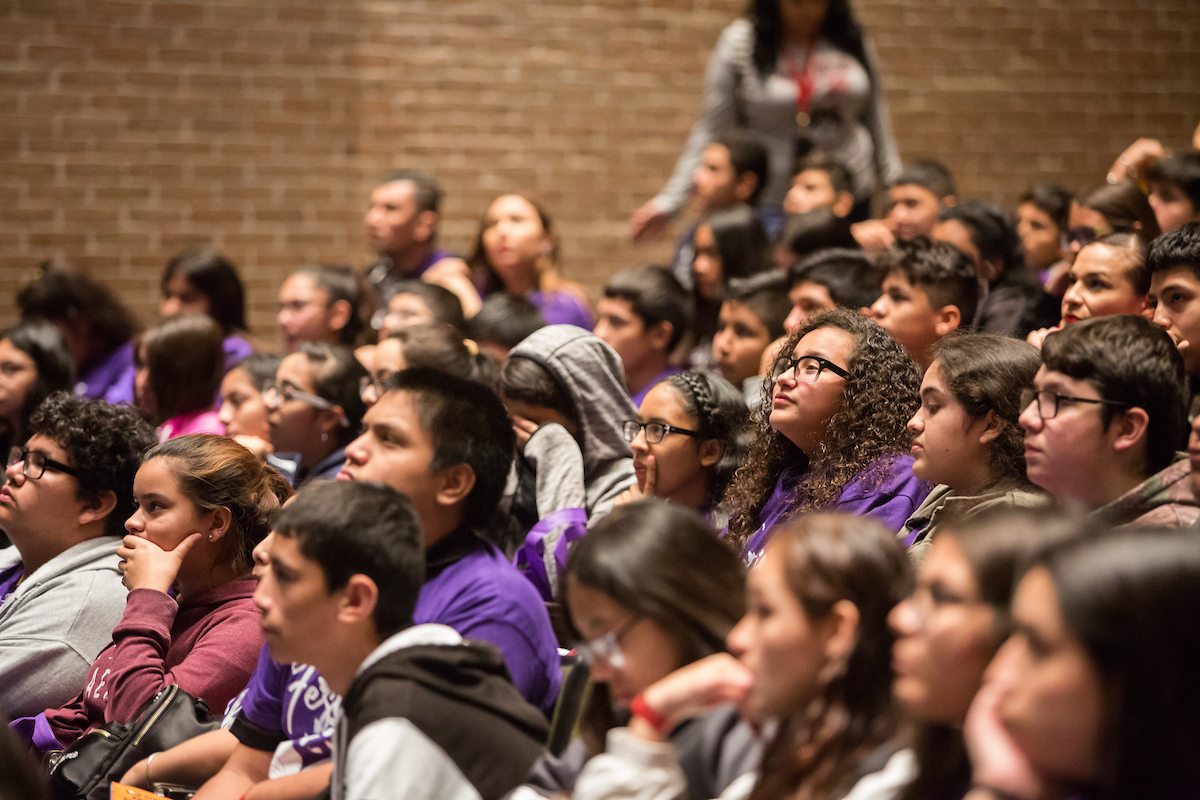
(1174, 266)
(566, 393)
(812, 654)
(751, 318)
(314, 409)
(832, 437)
(1042, 223)
(402, 227)
(323, 305)
(821, 181)
(967, 439)
(1111, 208)
(806, 234)
(644, 314)
(243, 409)
(34, 363)
(202, 281)
(180, 366)
(929, 289)
(1094, 694)
(950, 628)
(447, 443)
(437, 346)
(690, 435)
(203, 503)
(68, 492)
(96, 327)
(516, 250)
(729, 244)
(1107, 411)
(649, 591)
(419, 303)
(425, 712)
(1013, 302)
(504, 321)
(830, 279)
(1175, 190)
(732, 171)
(915, 198)
(1108, 276)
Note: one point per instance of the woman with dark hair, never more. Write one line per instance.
(966, 437)
(180, 364)
(243, 409)
(1095, 693)
(437, 346)
(314, 409)
(690, 435)
(326, 304)
(797, 75)
(517, 251)
(421, 303)
(97, 328)
(204, 502)
(34, 362)
(650, 589)
(831, 432)
(202, 281)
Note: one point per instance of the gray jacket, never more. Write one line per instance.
(55, 623)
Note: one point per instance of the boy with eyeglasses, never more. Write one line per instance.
(68, 493)
(1105, 415)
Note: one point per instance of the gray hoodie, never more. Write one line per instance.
(55, 623)
(578, 476)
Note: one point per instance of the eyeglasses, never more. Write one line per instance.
(806, 369)
(1085, 235)
(1049, 402)
(296, 306)
(655, 431)
(35, 464)
(273, 394)
(607, 646)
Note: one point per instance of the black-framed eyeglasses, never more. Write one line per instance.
(373, 382)
(1084, 235)
(655, 431)
(274, 393)
(607, 646)
(1048, 402)
(35, 464)
(806, 369)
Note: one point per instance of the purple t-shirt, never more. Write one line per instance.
(562, 308)
(9, 578)
(891, 501)
(112, 379)
(472, 588)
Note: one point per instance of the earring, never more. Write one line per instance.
(210, 537)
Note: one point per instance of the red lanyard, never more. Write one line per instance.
(802, 77)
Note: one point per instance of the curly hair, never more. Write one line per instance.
(881, 395)
(103, 442)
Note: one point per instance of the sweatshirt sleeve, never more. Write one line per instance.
(557, 462)
(631, 769)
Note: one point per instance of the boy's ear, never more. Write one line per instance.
(659, 336)
(745, 185)
(947, 318)
(843, 204)
(1130, 428)
(97, 507)
(950, 200)
(358, 600)
(454, 484)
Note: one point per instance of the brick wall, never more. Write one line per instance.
(129, 128)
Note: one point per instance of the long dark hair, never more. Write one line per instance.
(662, 562)
(186, 359)
(829, 558)
(44, 345)
(880, 397)
(840, 29)
(744, 249)
(63, 295)
(483, 273)
(215, 277)
(1123, 204)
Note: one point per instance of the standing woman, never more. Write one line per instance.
(202, 281)
(798, 76)
(203, 503)
(516, 251)
(34, 362)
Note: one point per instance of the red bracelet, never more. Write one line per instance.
(655, 720)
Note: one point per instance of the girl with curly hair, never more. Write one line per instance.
(831, 432)
(966, 435)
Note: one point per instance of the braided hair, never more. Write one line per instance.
(720, 413)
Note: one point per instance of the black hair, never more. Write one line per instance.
(1177, 248)
(720, 412)
(1181, 170)
(839, 28)
(819, 229)
(260, 368)
(215, 277)
(838, 172)
(766, 295)
(442, 303)
(928, 174)
(992, 231)
(1133, 362)
(1053, 201)
(427, 191)
(526, 381)
(848, 275)
(945, 273)
(63, 295)
(352, 528)
(654, 295)
(746, 155)
(468, 424)
(1123, 206)
(44, 345)
(741, 242)
(441, 347)
(103, 442)
(185, 357)
(340, 282)
(506, 319)
(337, 377)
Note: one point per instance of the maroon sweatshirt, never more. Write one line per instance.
(208, 646)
